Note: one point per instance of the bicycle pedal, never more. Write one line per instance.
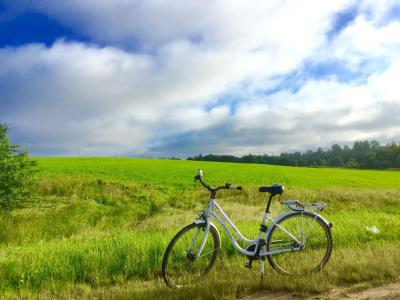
(248, 264)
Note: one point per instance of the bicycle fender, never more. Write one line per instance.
(284, 215)
(329, 224)
(201, 221)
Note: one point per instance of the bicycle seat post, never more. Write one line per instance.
(269, 203)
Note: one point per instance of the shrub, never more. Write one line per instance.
(16, 173)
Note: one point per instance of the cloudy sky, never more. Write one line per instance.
(177, 78)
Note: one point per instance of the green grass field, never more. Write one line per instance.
(99, 227)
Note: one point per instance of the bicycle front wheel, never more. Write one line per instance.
(307, 228)
(181, 266)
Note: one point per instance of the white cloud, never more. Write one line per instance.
(101, 98)
(235, 23)
(166, 62)
(320, 113)
(362, 40)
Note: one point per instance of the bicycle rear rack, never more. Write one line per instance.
(295, 205)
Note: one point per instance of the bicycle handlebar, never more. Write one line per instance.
(233, 187)
(210, 188)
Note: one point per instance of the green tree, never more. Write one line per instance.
(249, 158)
(337, 161)
(16, 173)
(352, 163)
(336, 149)
(370, 160)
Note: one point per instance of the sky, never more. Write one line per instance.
(163, 78)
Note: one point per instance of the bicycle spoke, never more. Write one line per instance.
(315, 237)
(180, 264)
(313, 224)
(212, 251)
(194, 240)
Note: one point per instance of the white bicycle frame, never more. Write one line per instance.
(261, 236)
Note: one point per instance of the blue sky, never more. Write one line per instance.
(178, 78)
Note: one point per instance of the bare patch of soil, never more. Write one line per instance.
(386, 292)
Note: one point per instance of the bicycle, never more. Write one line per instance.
(299, 241)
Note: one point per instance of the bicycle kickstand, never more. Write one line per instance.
(262, 267)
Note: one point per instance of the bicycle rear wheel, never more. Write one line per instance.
(309, 229)
(180, 266)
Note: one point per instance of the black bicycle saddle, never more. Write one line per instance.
(275, 189)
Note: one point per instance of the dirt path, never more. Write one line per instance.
(390, 291)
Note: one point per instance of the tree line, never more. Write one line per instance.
(363, 154)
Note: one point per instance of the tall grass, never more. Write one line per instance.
(178, 174)
(102, 234)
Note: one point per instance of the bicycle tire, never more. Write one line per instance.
(178, 266)
(319, 244)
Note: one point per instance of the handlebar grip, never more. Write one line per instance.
(199, 175)
(232, 187)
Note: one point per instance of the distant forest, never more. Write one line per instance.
(363, 154)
